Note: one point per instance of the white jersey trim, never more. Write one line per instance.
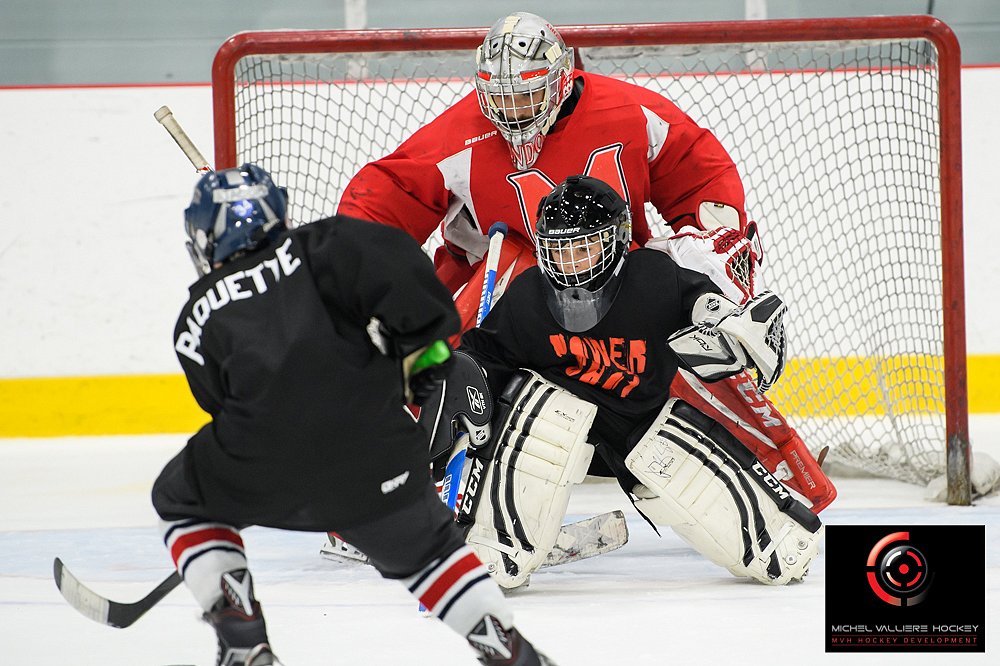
(656, 133)
(457, 227)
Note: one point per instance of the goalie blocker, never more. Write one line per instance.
(701, 481)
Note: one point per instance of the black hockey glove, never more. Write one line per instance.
(430, 368)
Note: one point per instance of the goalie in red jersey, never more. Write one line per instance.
(535, 119)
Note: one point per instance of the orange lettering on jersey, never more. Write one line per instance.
(558, 343)
(604, 163)
(613, 365)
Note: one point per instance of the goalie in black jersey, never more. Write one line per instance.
(301, 345)
(581, 351)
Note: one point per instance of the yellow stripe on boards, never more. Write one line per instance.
(984, 384)
(860, 386)
(150, 404)
(867, 386)
(104, 405)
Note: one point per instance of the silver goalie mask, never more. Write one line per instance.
(524, 73)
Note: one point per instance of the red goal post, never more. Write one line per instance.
(846, 132)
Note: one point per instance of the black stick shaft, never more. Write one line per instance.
(104, 610)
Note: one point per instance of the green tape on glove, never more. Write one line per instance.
(435, 354)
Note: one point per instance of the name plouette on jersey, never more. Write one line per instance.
(236, 286)
(614, 365)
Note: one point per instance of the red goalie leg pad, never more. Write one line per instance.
(453, 270)
(754, 420)
(516, 256)
(813, 481)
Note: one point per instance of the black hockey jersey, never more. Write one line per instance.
(623, 364)
(308, 426)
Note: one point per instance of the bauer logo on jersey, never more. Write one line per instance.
(481, 137)
(235, 286)
(613, 364)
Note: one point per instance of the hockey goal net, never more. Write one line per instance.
(847, 136)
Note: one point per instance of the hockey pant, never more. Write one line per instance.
(518, 488)
(716, 495)
(420, 545)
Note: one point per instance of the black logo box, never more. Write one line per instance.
(905, 588)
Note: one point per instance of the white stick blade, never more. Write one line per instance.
(79, 596)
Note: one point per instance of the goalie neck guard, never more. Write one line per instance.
(582, 239)
(232, 211)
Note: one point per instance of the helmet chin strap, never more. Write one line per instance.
(200, 261)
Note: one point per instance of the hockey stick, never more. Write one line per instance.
(166, 118)
(577, 541)
(103, 610)
(456, 463)
(498, 231)
(82, 598)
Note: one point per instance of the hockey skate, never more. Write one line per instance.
(502, 647)
(239, 624)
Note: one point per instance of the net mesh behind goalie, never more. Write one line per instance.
(839, 147)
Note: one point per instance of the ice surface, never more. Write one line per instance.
(653, 602)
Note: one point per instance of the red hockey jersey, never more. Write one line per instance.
(628, 136)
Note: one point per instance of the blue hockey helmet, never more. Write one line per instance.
(233, 211)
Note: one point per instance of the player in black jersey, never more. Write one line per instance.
(303, 346)
(581, 351)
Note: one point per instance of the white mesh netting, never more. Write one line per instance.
(838, 146)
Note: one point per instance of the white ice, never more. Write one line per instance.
(653, 602)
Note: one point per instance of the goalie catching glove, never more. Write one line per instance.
(727, 338)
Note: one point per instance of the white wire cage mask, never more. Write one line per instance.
(524, 74)
(577, 260)
(584, 273)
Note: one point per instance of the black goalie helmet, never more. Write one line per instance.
(582, 238)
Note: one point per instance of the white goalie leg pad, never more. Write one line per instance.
(541, 452)
(716, 495)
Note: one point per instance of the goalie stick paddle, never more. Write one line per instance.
(103, 610)
(588, 538)
(577, 541)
